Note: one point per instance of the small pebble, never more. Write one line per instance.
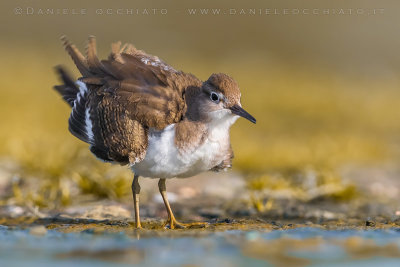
(228, 220)
(369, 223)
(38, 230)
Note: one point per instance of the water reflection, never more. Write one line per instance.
(295, 247)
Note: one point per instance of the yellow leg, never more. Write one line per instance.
(135, 192)
(172, 222)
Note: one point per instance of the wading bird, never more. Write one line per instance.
(136, 110)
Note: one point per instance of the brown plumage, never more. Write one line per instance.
(125, 97)
(135, 109)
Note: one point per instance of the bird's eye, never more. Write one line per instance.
(214, 97)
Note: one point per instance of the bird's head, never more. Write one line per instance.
(221, 98)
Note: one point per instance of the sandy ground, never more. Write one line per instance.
(224, 202)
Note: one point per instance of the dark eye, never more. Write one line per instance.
(214, 97)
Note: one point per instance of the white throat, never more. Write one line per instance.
(221, 121)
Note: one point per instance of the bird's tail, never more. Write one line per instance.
(76, 93)
(68, 90)
(87, 66)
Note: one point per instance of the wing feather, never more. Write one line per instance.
(93, 61)
(77, 57)
(128, 93)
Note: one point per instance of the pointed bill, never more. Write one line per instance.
(238, 110)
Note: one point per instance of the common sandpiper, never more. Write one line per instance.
(134, 109)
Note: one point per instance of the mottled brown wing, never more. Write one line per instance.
(129, 93)
(149, 94)
(117, 137)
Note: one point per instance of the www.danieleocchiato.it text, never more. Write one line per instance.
(198, 11)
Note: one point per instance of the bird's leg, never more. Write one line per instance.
(135, 192)
(173, 223)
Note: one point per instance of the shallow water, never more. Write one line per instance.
(304, 246)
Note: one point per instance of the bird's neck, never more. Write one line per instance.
(191, 134)
(220, 123)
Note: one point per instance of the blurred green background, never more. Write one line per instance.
(324, 88)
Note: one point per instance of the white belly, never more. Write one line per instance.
(163, 160)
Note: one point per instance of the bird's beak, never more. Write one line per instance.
(238, 110)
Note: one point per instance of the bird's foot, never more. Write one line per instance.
(174, 224)
(138, 225)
